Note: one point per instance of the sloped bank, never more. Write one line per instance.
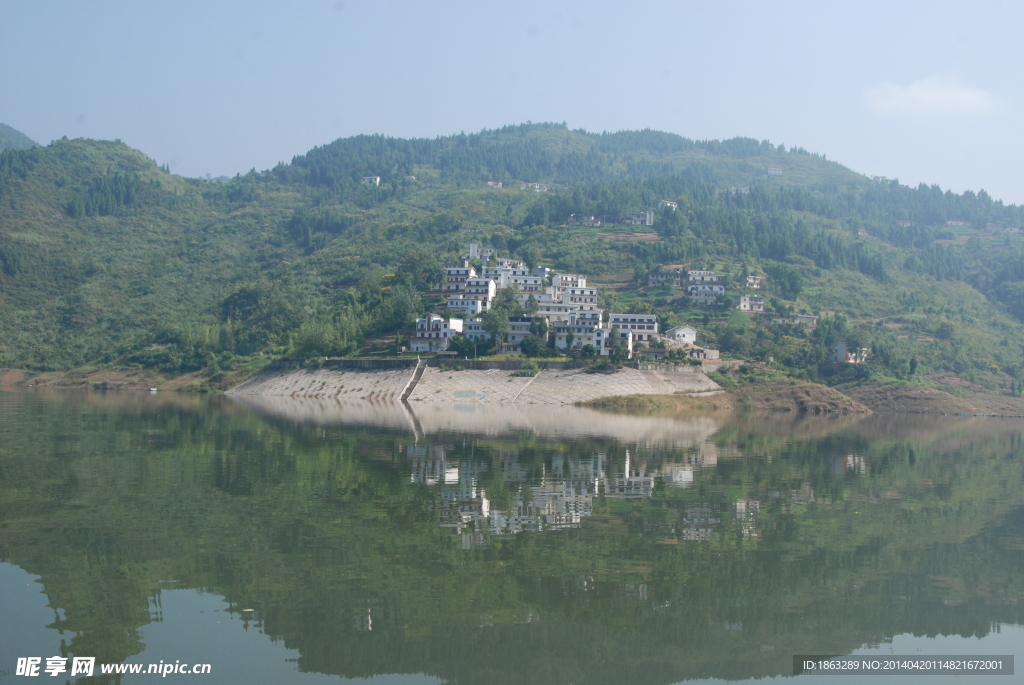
(808, 398)
(551, 385)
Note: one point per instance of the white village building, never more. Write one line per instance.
(642, 326)
(433, 333)
(845, 354)
(751, 303)
(705, 294)
(686, 334)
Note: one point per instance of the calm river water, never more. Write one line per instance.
(300, 541)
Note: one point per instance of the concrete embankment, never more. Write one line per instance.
(490, 386)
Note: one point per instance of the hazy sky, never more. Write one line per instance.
(927, 91)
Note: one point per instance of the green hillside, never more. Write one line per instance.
(11, 139)
(105, 258)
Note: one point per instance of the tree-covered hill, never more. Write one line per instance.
(12, 139)
(552, 153)
(106, 258)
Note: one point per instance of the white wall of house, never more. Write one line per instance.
(846, 354)
(750, 303)
(433, 333)
(466, 307)
(684, 334)
(643, 326)
(699, 277)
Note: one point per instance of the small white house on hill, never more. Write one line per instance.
(686, 334)
(845, 354)
(751, 303)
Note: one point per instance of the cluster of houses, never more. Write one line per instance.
(644, 218)
(566, 304)
(563, 305)
(706, 287)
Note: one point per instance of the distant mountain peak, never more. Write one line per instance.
(12, 139)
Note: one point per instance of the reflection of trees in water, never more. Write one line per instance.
(744, 541)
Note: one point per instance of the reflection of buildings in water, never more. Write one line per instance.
(565, 493)
(805, 495)
(429, 465)
(701, 513)
(850, 464)
(698, 534)
(564, 496)
(463, 504)
(700, 523)
(633, 482)
(590, 584)
(362, 619)
(747, 511)
(679, 472)
(678, 475)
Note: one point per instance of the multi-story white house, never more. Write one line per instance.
(580, 296)
(603, 337)
(505, 276)
(519, 330)
(561, 312)
(433, 333)
(583, 220)
(686, 334)
(482, 289)
(700, 277)
(562, 281)
(587, 329)
(582, 324)
(477, 252)
(457, 277)
(600, 338)
(642, 326)
(475, 331)
(494, 184)
(645, 218)
(371, 180)
(465, 307)
(774, 171)
(705, 294)
(751, 303)
(754, 282)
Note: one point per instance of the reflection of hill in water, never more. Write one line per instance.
(372, 553)
(556, 421)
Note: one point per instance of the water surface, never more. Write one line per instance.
(290, 540)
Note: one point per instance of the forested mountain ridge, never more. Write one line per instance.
(552, 153)
(106, 258)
